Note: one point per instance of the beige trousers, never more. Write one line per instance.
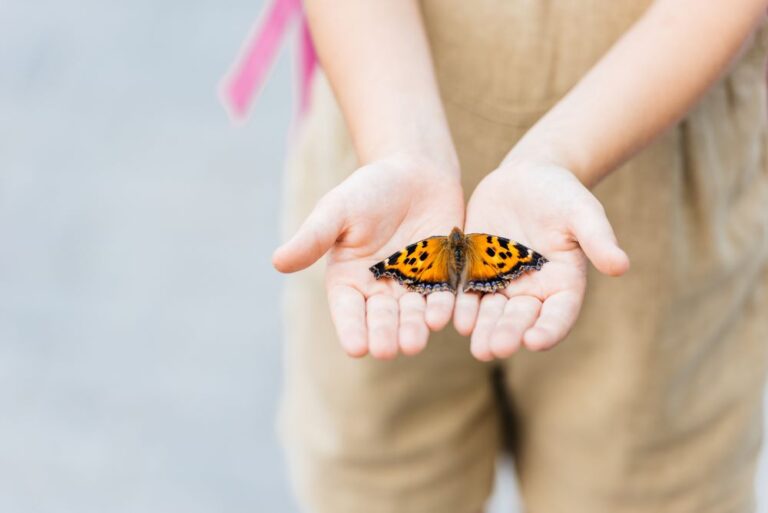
(653, 403)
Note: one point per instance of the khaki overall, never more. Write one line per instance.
(653, 403)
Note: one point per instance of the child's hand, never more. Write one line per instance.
(378, 210)
(546, 208)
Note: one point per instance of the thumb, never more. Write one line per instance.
(314, 238)
(596, 238)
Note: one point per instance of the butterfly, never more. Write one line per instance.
(481, 262)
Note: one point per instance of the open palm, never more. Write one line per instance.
(378, 210)
(546, 208)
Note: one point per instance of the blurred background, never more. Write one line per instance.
(139, 325)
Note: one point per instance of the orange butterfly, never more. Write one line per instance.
(481, 262)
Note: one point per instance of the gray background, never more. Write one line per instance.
(139, 333)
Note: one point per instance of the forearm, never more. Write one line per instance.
(644, 84)
(376, 56)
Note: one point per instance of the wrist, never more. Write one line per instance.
(537, 150)
(420, 132)
(436, 155)
(422, 166)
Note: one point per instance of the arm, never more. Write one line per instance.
(644, 84)
(378, 61)
(376, 57)
(649, 80)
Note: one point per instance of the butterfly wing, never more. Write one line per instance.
(423, 266)
(493, 261)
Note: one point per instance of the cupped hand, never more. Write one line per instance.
(548, 209)
(379, 209)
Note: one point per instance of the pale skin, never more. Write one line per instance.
(377, 59)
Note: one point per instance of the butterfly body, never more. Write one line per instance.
(476, 261)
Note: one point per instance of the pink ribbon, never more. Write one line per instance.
(249, 72)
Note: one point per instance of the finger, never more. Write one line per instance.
(558, 313)
(439, 309)
(348, 313)
(314, 238)
(596, 238)
(413, 331)
(382, 313)
(529, 284)
(465, 312)
(520, 313)
(491, 308)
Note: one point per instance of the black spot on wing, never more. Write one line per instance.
(504, 243)
(489, 239)
(423, 256)
(523, 250)
(393, 257)
(490, 252)
(504, 255)
(537, 260)
(377, 270)
(410, 249)
(424, 243)
(503, 278)
(409, 282)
